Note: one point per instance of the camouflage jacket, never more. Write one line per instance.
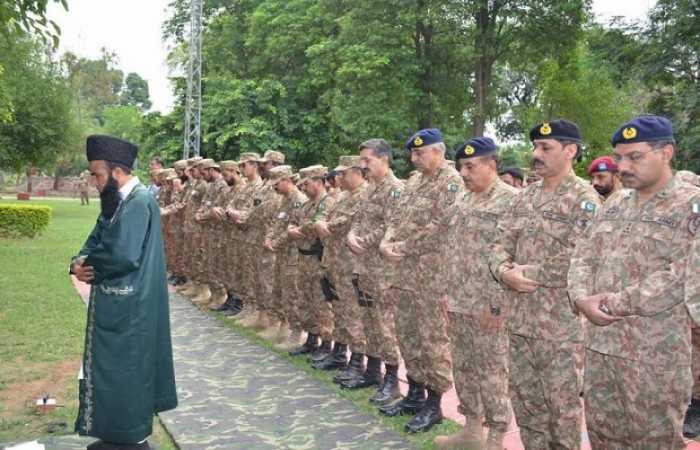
(192, 203)
(541, 230)
(266, 202)
(234, 199)
(692, 280)
(471, 235)
(289, 213)
(247, 201)
(215, 196)
(336, 255)
(639, 253)
(312, 212)
(418, 227)
(370, 223)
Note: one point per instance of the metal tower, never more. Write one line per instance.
(193, 103)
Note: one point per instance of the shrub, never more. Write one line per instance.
(23, 220)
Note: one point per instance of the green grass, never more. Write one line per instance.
(43, 325)
(360, 396)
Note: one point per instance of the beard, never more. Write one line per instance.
(110, 198)
(603, 190)
(184, 179)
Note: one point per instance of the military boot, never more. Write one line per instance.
(236, 307)
(430, 414)
(470, 436)
(283, 333)
(184, 286)
(389, 390)
(371, 377)
(410, 404)
(229, 304)
(202, 298)
(187, 288)
(355, 368)
(309, 346)
(218, 299)
(292, 341)
(691, 424)
(272, 327)
(247, 320)
(321, 352)
(336, 360)
(260, 321)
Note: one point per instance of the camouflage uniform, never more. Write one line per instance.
(286, 296)
(191, 233)
(84, 188)
(418, 230)
(233, 242)
(337, 263)
(650, 347)
(546, 341)
(316, 314)
(211, 231)
(369, 226)
(480, 358)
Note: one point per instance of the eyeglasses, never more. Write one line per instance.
(633, 157)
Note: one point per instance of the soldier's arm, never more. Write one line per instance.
(374, 237)
(692, 280)
(503, 251)
(582, 266)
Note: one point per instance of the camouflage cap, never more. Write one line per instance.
(193, 161)
(296, 178)
(347, 162)
(156, 172)
(168, 174)
(314, 171)
(181, 164)
(279, 173)
(248, 156)
(274, 156)
(228, 165)
(205, 163)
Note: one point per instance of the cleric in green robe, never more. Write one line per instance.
(127, 373)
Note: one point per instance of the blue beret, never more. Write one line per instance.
(476, 147)
(427, 136)
(108, 148)
(643, 129)
(556, 129)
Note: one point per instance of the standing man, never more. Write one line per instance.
(84, 188)
(477, 306)
(414, 246)
(154, 166)
(638, 349)
(531, 258)
(127, 372)
(604, 176)
(378, 314)
(512, 176)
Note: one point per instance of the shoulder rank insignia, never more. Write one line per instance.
(452, 187)
(296, 205)
(588, 206)
(696, 208)
(395, 194)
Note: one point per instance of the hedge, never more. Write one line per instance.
(23, 220)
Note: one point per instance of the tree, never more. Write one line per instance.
(123, 122)
(135, 92)
(22, 16)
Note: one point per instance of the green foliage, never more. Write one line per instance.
(124, 122)
(22, 16)
(135, 92)
(23, 220)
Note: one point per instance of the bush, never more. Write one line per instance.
(23, 220)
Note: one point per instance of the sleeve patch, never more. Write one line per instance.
(588, 206)
(452, 187)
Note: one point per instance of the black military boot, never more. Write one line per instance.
(321, 352)
(371, 377)
(181, 279)
(355, 368)
(691, 424)
(228, 304)
(428, 416)
(389, 390)
(410, 404)
(309, 346)
(336, 360)
(236, 305)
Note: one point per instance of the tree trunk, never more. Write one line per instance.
(29, 178)
(483, 70)
(423, 46)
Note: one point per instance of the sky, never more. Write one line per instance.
(132, 30)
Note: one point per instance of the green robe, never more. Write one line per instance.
(127, 364)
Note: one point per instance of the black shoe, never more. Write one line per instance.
(429, 415)
(309, 346)
(228, 305)
(410, 404)
(336, 360)
(355, 368)
(172, 279)
(371, 377)
(180, 280)
(389, 390)
(101, 445)
(321, 352)
(691, 424)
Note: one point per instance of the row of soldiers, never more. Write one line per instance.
(525, 297)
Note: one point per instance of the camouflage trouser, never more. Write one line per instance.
(480, 366)
(84, 198)
(265, 279)
(545, 382)
(695, 339)
(347, 316)
(232, 272)
(315, 313)
(285, 306)
(188, 248)
(379, 321)
(632, 404)
(199, 253)
(421, 329)
(248, 274)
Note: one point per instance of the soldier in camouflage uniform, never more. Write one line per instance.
(173, 212)
(165, 198)
(604, 176)
(368, 227)
(199, 238)
(413, 246)
(477, 305)
(287, 295)
(248, 165)
(84, 188)
(638, 376)
(210, 225)
(190, 204)
(531, 257)
(316, 314)
(337, 264)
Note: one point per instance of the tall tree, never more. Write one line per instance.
(135, 92)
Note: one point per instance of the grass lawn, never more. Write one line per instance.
(43, 325)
